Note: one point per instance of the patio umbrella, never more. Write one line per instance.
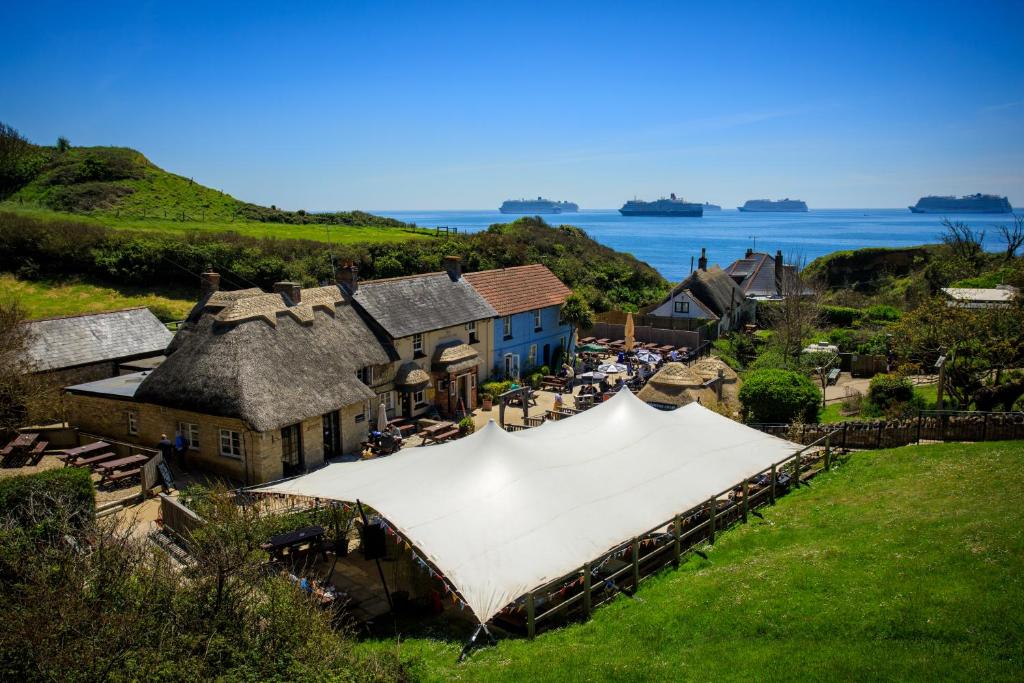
(382, 418)
(592, 348)
(630, 340)
(598, 376)
(645, 356)
(611, 367)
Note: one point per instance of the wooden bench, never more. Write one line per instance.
(114, 477)
(36, 454)
(553, 382)
(89, 462)
(444, 436)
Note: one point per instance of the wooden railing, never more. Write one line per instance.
(178, 520)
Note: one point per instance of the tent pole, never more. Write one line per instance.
(380, 570)
(636, 564)
(772, 490)
(712, 504)
(746, 501)
(531, 616)
(677, 528)
(472, 641)
(586, 591)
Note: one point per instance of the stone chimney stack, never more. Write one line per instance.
(209, 282)
(348, 277)
(453, 264)
(779, 270)
(291, 290)
(702, 262)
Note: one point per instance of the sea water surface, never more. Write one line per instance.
(669, 244)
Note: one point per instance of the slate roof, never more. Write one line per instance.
(255, 357)
(76, 340)
(404, 306)
(519, 289)
(756, 274)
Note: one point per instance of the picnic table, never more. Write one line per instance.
(121, 463)
(664, 349)
(439, 433)
(24, 449)
(404, 425)
(554, 382)
(71, 455)
(121, 469)
(588, 340)
(286, 544)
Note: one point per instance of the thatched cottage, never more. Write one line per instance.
(708, 295)
(441, 329)
(262, 385)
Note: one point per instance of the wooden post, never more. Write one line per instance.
(677, 533)
(984, 428)
(878, 441)
(796, 470)
(828, 453)
(712, 504)
(771, 491)
(846, 425)
(919, 426)
(501, 412)
(531, 616)
(746, 503)
(586, 590)
(636, 564)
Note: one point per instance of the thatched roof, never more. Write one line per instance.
(676, 385)
(714, 289)
(252, 356)
(455, 357)
(405, 306)
(411, 376)
(708, 367)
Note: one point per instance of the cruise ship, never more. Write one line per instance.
(662, 207)
(972, 203)
(770, 205)
(538, 205)
(708, 206)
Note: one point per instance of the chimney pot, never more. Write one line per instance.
(291, 290)
(209, 282)
(750, 252)
(702, 262)
(348, 278)
(453, 264)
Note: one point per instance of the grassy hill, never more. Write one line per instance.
(903, 564)
(48, 298)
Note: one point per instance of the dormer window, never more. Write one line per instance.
(537, 324)
(417, 344)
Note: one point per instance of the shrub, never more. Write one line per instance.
(466, 425)
(840, 316)
(31, 500)
(495, 389)
(882, 313)
(779, 396)
(844, 339)
(535, 379)
(886, 391)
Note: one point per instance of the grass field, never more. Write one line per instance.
(903, 564)
(335, 234)
(45, 299)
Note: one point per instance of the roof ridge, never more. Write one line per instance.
(82, 315)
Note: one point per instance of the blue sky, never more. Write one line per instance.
(450, 105)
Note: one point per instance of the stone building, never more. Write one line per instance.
(262, 385)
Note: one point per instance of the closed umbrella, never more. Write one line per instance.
(382, 418)
(630, 334)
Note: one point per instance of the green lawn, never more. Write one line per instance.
(336, 234)
(928, 393)
(46, 298)
(903, 564)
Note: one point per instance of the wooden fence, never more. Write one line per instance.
(178, 520)
(646, 334)
(929, 425)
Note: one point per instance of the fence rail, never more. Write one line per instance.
(929, 425)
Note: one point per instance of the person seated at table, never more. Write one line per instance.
(558, 400)
(673, 355)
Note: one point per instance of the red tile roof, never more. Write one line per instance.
(518, 289)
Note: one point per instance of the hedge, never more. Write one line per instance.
(779, 396)
(840, 316)
(31, 499)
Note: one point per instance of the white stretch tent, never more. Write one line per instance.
(503, 513)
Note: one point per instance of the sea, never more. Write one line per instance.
(672, 245)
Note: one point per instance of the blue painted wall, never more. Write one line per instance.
(523, 336)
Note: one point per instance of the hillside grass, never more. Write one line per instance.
(903, 564)
(928, 394)
(49, 298)
(333, 234)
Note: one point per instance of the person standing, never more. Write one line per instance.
(180, 446)
(165, 447)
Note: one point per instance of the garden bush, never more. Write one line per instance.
(779, 396)
(886, 391)
(840, 316)
(882, 313)
(31, 499)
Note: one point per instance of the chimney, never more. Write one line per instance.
(291, 290)
(702, 262)
(453, 264)
(750, 252)
(209, 282)
(348, 278)
(778, 268)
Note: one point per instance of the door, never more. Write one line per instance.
(291, 450)
(547, 355)
(511, 366)
(332, 435)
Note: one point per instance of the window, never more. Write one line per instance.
(506, 326)
(532, 360)
(230, 443)
(133, 422)
(365, 375)
(417, 344)
(419, 399)
(537, 324)
(471, 328)
(291, 445)
(682, 307)
(191, 433)
(388, 399)
(361, 416)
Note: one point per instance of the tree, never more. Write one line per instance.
(964, 242)
(779, 396)
(1013, 235)
(797, 315)
(63, 144)
(19, 160)
(577, 313)
(24, 397)
(819, 364)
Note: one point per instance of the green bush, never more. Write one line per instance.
(31, 500)
(535, 379)
(779, 396)
(466, 425)
(495, 389)
(840, 316)
(886, 391)
(882, 313)
(845, 340)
